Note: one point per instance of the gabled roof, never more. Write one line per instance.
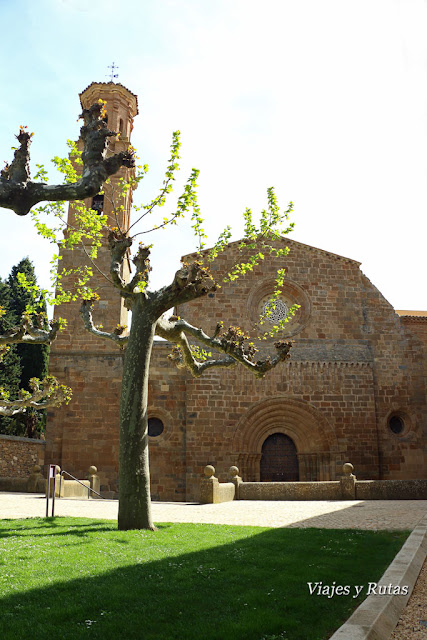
(290, 242)
(411, 317)
(412, 314)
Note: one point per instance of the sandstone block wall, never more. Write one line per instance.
(86, 432)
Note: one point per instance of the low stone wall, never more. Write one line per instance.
(391, 490)
(290, 491)
(35, 482)
(346, 488)
(19, 455)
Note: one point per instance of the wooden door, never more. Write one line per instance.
(279, 460)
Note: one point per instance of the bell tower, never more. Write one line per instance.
(85, 432)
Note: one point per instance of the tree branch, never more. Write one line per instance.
(19, 193)
(45, 393)
(28, 332)
(191, 281)
(141, 261)
(86, 313)
(233, 343)
(119, 244)
(183, 356)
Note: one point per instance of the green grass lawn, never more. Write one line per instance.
(72, 578)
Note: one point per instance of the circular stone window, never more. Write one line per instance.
(396, 425)
(155, 427)
(259, 300)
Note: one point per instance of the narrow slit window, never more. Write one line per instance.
(98, 203)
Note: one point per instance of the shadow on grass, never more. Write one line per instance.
(48, 527)
(250, 585)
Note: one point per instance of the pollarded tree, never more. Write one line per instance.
(191, 281)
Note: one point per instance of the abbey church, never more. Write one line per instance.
(353, 390)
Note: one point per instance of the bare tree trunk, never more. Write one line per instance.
(134, 475)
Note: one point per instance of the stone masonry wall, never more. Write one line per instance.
(352, 360)
(19, 455)
(86, 432)
(400, 388)
(167, 401)
(218, 402)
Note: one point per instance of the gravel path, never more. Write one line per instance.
(349, 514)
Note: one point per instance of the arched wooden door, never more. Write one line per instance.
(279, 460)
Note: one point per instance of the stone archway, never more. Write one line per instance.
(309, 430)
(279, 459)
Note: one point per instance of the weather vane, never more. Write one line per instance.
(113, 69)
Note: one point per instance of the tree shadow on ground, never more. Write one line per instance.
(47, 527)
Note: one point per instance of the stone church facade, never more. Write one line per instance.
(354, 388)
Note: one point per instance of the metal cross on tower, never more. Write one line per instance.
(113, 69)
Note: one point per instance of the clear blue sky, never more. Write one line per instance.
(327, 101)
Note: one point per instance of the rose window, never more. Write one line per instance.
(277, 310)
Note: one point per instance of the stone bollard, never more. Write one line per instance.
(236, 480)
(36, 483)
(208, 486)
(348, 482)
(95, 482)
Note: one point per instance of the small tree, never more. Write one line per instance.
(25, 294)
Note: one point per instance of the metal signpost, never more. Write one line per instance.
(51, 474)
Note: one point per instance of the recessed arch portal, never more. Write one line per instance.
(309, 430)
